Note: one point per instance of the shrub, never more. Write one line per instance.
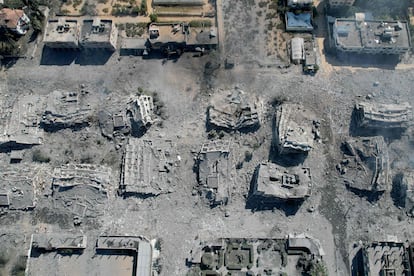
(153, 17)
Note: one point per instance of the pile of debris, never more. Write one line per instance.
(66, 110)
(20, 123)
(272, 183)
(406, 190)
(82, 188)
(149, 167)
(365, 166)
(383, 116)
(213, 171)
(18, 187)
(296, 129)
(234, 112)
(137, 116)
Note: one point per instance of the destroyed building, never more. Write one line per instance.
(140, 111)
(371, 36)
(149, 168)
(383, 116)
(18, 187)
(250, 256)
(71, 254)
(365, 164)
(62, 33)
(235, 112)
(99, 34)
(20, 122)
(381, 258)
(66, 109)
(293, 132)
(406, 189)
(82, 189)
(273, 183)
(213, 171)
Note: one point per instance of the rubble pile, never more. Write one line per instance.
(383, 116)
(149, 168)
(365, 166)
(66, 110)
(236, 111)
(213, 171)
(295, 129)
(406, 190)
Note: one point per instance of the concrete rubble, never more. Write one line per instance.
(18, 187)
(214, 174)
(250, 256)
(140, 111)
(66, 109)
(20, 122)
(272, 183)
(149, 168)
(234, 111)
(83, 189)
(406, 189)
(383, 116)
(365, 164)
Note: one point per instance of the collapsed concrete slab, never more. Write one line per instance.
(20, 122)
(83, 189)
(406, 189)
(149, 168)
(380, 258)
(140, 111)
(73, 254)
(365, 166)
(383, 116)
(293, 131)
(214, 171)
(234, 111)
(66, 110)
(293, 255)
(273, 183)
(18, 187)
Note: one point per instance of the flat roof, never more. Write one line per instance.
(62, 30)
(179, 2)
(96, 30)
(134, 43)
(351, 33)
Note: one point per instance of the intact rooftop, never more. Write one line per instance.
(96, 30)
(62, 30)
(352, 33)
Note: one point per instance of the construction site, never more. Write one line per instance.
(206, 137)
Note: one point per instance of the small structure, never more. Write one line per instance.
(301, 22)
(214, 177)
(293, 132)
(140, 111)
(371, 36)
(65, 109)
(148, 168)
(311, 64)
(14, 20)
(297, 50)
(58, 242)
(293, 255)
(273, 183)
(235, 112)
(365, 167)
(99, 34)
(407, 192)
(381, 258)
(134, 46)
(383, 116)
(62, 33)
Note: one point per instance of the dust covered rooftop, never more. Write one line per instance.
(62, 30)
(351, 34)
(98, 30)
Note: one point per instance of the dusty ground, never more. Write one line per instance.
(180, 219)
